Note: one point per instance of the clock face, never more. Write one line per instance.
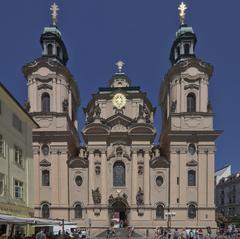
(119, 100)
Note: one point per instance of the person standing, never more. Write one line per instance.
(176, 234)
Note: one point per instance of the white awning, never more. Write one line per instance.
(7, 219)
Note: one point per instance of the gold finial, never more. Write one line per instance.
(120, 65)
(54, 9)
(182, 12)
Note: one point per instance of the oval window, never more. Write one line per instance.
(78, 180)
(159, 181)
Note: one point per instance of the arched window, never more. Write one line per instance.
(186, 49)
(191, 178)
(118, 174)
(78, 211)
(45, 102)
(191, 102)
(45, 178)
(58, 51)
(45, 211)
(50, 49)
(178, 51)
(192, 211)
(160, 212)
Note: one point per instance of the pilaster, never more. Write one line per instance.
(146, 178)
(91, 185)
(134, 176)
(104, 177)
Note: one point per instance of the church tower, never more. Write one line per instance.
(188, 136)
(53, 101)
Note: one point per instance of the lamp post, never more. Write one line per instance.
(89, 227)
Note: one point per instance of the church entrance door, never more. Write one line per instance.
(119, 214)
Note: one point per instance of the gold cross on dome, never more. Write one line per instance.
(120, 65)
(182, 12)
(54, 9)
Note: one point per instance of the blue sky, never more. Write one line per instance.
(97, 33)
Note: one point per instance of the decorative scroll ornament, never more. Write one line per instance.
(54, 9)
(182, 12)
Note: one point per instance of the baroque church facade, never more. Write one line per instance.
(117, 172)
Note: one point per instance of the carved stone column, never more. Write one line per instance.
(91, 170)
(104, 177)
(134, 176)
(54, 99)
(70, 103)
(146, 178)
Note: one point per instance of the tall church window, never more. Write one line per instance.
(178, 51)
(118, 174)
(2, 177)
(191, 178)
(45, 102)
(78, 211)
(45, 178)
(45, 210)
(2, 151)
(58, 51)
(186, 49)
(160, 212)
(192, 211)
(50, 49)
(191, 102)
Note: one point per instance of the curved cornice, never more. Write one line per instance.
(183, 66)
(54, 66)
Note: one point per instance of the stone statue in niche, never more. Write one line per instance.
(65, 105)
(110, 199)
(97, 111)
(97, 170)
(96, 196)
(140, 197)
(140, 170)
(174, 106)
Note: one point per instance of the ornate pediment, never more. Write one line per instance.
(142, 132)
(45, 163)
(117, 119)
(44, 86)
(96, 128)
(77, 162)
(119, 128)
(159, 162)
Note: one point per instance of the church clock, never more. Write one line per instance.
(119, 100)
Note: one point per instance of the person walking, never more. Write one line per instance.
(41, 234)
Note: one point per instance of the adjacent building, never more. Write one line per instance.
(118, 173)
(227, 196)
(16, 157)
